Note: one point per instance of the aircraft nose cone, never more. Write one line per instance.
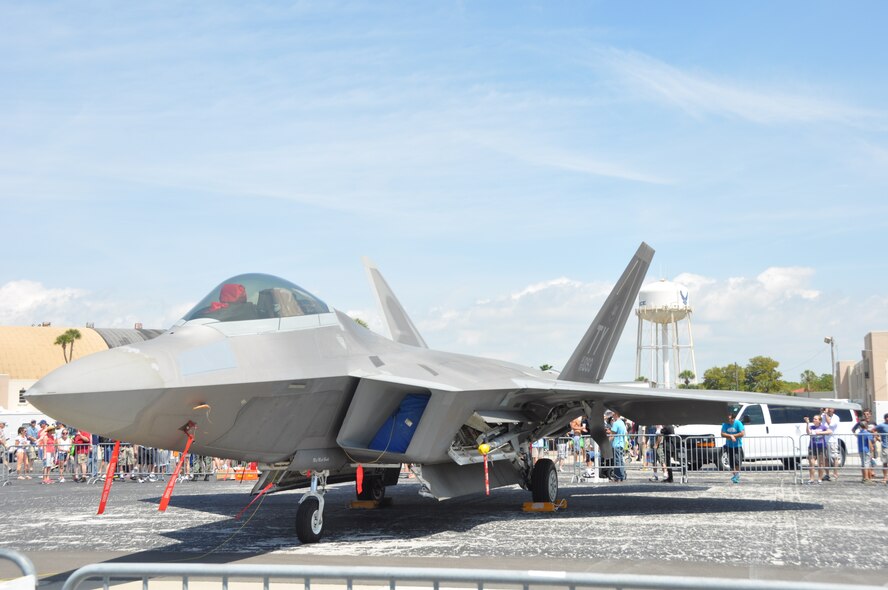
(100, 393)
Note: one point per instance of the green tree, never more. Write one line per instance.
(66, 341)
(732, 377)
(824, 383)
(762, 375)
(686, 376)
(808, 380)
(361, 322)
(642, 379)
(546, 367)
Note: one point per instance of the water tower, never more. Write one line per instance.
(665, 342)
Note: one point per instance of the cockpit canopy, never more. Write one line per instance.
(256, 296)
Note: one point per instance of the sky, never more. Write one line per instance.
(499, 161)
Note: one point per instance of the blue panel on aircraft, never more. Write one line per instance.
(395, 434)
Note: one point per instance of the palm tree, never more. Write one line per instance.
(808, 379)
(686, 376)
(65, 339)
(546, 367)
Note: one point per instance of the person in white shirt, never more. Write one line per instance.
(63, 453)
(831, 421)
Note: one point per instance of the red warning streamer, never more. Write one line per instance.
(486, 477)
(359, 479)
(168, 492)
(253, 501)
(109, 477)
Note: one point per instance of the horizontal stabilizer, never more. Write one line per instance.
(396, 319)
(590, 359)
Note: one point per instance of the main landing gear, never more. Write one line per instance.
(372, 488)
(310, 515)
(544, 481)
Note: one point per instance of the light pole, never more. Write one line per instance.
(832, 354)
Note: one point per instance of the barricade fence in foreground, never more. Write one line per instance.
(807, 458)
(349, 577)
(28, 578)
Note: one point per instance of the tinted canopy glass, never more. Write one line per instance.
(256, 296)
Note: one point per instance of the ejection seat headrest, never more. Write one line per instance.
(233, 293)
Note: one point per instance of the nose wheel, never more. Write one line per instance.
(310, 514)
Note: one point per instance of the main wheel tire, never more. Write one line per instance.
(544, 481)
(309, 521)
(373, 488)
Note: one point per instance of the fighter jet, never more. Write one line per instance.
(262, 370)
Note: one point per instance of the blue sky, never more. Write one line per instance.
(499, 161)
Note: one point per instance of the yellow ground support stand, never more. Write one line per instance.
(545, 506)
(245, 475)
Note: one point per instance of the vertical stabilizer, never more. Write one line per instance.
(590, 360)
(399, 325)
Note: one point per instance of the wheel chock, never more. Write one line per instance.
(369, 504)
(545, 506)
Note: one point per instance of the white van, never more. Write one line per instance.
(773, 432)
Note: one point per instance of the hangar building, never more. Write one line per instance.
(27, 353)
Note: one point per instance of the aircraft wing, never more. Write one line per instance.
(526, 408)
(653, 405)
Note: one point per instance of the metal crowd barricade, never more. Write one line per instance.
(5, 464)
(646, 453)
(349, 577)
(135, 463)
(28, 579)
(689, 455)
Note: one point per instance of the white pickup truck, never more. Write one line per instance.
(773, 433)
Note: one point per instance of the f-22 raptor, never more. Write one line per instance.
(262, 370)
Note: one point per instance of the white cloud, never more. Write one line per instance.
(699, 94)
(557, 158)
(778, 313)
(540, 323)
(26, 302)
(736, 297)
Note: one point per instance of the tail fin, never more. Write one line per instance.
(399, 325)
(590, 360)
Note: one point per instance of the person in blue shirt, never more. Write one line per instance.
(865, 445)
(733, 431)
(882, 431)
(617, 434)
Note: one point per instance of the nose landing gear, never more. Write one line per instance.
(310, 515)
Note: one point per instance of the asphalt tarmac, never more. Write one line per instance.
(765, 528)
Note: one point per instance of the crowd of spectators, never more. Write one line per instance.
(654, 446)
(57, 453)
(658, 449)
